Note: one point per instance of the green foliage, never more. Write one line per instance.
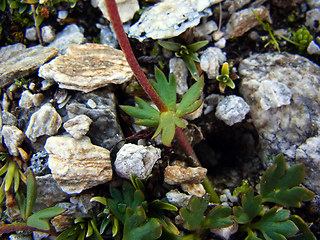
(224, 79)
(166, 121)
(38, 220)
(281, 185)
(128, 210)
(195, 218)
(83, 228)
(187, 53)
(12, 177)
(278, 185)
(21, 82)
(275, 224)
(301, 39)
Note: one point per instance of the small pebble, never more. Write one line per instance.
(63, 14)
(31, 34)
(91, 103)
(48, 34)
(221, 43)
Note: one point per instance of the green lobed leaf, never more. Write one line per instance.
(189, 102)
(70, 233)
(138, 227)
(3, 5)
(218, 217)
(197, 45)
(171, 46)
(137, 183)
(21, 200)
(40, 219)
(193, 215)
(189, 61)
(165, 89)
(304, 230)
(167, 126)
(31, 193)
(251, 206)
(4, 168)
(8, 179)
(143, 111)
(281, 185)
(16, 180)
(275, 225)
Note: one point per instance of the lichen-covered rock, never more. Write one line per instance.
(11, 51)
(287, 114)
(77, 165)
(78, 126)
(232, 109)
(126, 8)
(137, 160)
(24, 62)
(13, 138)
(242, 21)
(178, 175)
(88, 67)
(170, 18)
(45, 121)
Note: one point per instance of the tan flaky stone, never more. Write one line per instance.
(178, 175)
(24, 62)
(77, 165)
(88, 67)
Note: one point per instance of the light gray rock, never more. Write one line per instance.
(45, 121)
(205, 29)
(11, 51)
(137, 160)
(29, 100)
(88, 67)
(48, 34)
(232, 109)
(13, 138)
(313, 18)
(31, 34)
(177, 198)
(180, 72)
(242, 21)
(70, 35)
(20, 236)
(78, 126)
(221, 43)
(105, 130)
(77, 165)
(48, 191)
(24, 62)
(62, 14)
(170, 18)
(313, 3)
(126, 8)
(286, 124)
(107, 36)
(313, 48)
(210, 61)
(8, 118)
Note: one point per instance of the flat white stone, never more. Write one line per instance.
(170, 18)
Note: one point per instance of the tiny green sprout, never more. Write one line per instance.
(22, 81)
(187, 53)
(224, 78)
(267, 27)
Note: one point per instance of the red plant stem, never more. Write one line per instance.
(131, 59)
(16, 227)
(141, 77)
(185, 144)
